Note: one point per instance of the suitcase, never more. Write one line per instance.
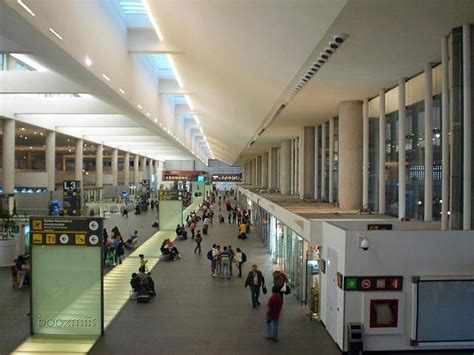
(143, 296)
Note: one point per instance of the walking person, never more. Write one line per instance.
(119, 250)
(275, 303)
(198, 240)
(225, 261)
(205, 224)
(255, 281)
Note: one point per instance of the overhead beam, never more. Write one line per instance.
(34, 82)
(144, 41)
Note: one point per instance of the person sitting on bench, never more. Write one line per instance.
(132, 239)
(136, 283)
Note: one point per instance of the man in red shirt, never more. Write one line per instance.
(275, 303)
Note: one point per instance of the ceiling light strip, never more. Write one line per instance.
(24, 6)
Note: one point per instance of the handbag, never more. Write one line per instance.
(264, 289)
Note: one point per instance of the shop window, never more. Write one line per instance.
(384, 313)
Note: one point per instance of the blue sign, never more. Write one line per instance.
(201, 178)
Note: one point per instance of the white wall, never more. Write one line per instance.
(398, 252)
(333, 238)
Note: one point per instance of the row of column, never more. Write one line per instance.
(8, 161)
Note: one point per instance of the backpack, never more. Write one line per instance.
(244, 257)
(209, 254)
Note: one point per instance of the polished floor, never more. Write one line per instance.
(195, 313)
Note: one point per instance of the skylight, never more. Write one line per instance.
(132, 7)
(160, 61)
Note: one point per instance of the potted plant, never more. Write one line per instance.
(7, 241)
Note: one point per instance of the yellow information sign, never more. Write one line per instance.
(37, 238)
(80, 239)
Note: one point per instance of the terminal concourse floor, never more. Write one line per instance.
(15, 304)
(194, 313)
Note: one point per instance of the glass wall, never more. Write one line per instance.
(326, 166)
(373, 164)
(319, 130)
(336, 159)
(391, 164)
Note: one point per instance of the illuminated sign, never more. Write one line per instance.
(188, 175)
(227, 177)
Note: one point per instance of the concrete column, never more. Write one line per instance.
(50, 159)
(445, 126)
(258, 162)
(99, 165)
(274, 168)
(264, 170)
(331, 160)
(135, 168)
(285, 167)
(365, 155)
(126, 170)
(467, 134)
(382, 151)
(316, 162)
(307, 162)
(8, 156)
(323, 162)
(78, 160)
(401, 150)
(292, 167)
(428, 142)
(143, 164)
(350, 154)
(157, 173)
(115, 167)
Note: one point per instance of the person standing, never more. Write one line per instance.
(192, 227)
(211, 255)
(119, 250)
(225, 261)
(231, 257)
(275, 303)
(198, 241)
(239, 260)
(255, 281)
(218, 260)
(205, 224)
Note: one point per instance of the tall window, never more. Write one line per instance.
(326, 167)
(415, 145)
(336, 159)
(373, 164)
(437, 161)
(319, 130)
(391, 164)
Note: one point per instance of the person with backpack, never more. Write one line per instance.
(210, 257)
(240, 258)
(198, 240)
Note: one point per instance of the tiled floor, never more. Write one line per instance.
(195, 313)
(14, 304)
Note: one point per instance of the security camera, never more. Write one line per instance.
(340, 38)
(364, 243)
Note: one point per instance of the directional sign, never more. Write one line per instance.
(75, 231)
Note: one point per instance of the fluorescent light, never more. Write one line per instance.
(55, 33)
(122, 91)
(27, 9)
(146, 5)
(160, 124)
(175, 71)
(105, 77)
(88, 61)
(188, 101)
(139, 106)
(28, 61)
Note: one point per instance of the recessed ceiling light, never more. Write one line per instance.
(88, 61)
(139, 106)
(122, 91)
(105, 77)
(148, 114)
(27, 9)
(55, 33)
(155, 120)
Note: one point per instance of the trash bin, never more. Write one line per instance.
(355, 333)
